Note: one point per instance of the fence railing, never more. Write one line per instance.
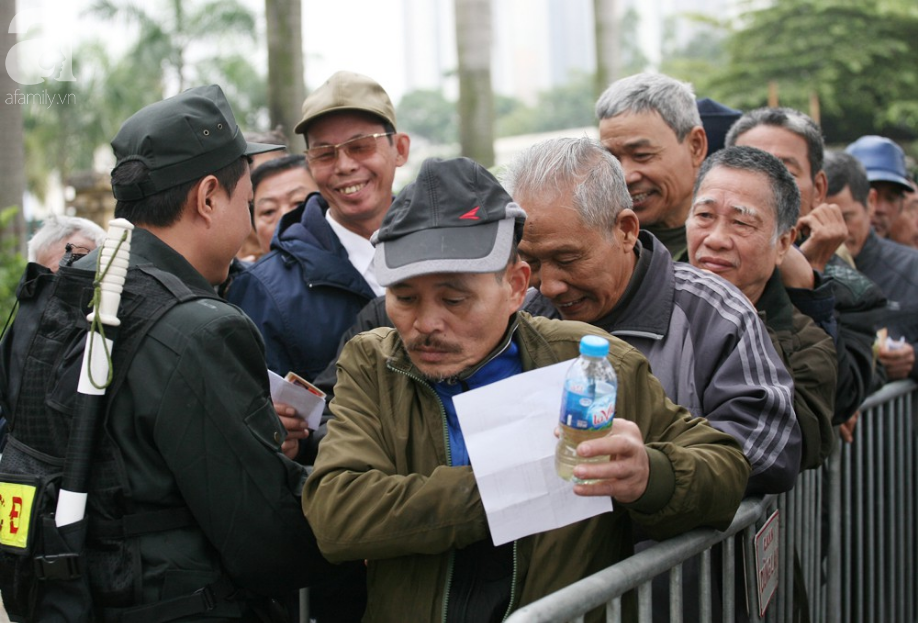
(848, 536)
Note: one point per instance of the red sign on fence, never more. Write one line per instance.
(766, 561)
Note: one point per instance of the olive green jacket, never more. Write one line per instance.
(809, 354)
(383, 488)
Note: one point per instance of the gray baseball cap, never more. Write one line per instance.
(454, 218)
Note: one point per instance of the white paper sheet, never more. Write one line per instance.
(509, 432)
(308, 406)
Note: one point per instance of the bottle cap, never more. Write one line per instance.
(594, 346)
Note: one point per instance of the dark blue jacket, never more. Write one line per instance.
(304, 294)
(894, 267)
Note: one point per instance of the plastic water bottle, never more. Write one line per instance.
(587, 404)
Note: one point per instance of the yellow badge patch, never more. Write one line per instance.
(15, 513)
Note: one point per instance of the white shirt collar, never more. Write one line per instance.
(360, 252)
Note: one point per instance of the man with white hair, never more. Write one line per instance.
(50, 243)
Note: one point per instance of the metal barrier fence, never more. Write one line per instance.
(851, 526)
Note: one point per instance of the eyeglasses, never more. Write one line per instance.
(359, 148)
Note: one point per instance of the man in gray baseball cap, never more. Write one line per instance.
(190, 467)
(393, 483)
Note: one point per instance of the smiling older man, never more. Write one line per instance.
(650, 122)
(308, 290)
(703, 338)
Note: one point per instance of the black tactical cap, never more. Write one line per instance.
(455, 218)
(180, 139)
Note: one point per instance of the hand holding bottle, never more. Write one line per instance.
(624, 474)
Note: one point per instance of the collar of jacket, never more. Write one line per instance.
(646, 305)
(869, 252)
(307, 223)
(148, 249)
(774, 305)
(304, 237)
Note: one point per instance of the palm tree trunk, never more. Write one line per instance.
(286, 90)
(476, 100)
(12, 154)
(607, 44)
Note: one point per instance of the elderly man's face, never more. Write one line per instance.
(889, 202)
(583, 271)
(730, 231)
(275, 196)
(358, 189)
(449, 322)
(857, 218)
(791, 149)
(660, 171)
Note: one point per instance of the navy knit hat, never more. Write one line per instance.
(717, 120)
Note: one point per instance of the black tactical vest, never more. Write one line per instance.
(40, 361)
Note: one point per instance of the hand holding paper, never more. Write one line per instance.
(307, 402)
(509, 432)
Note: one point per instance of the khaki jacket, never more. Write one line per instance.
(383, 488)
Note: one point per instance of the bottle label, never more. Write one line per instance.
(581, 411)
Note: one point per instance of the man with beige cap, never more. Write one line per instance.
(306, 292)
(308, 289)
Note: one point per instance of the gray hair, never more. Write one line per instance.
(57, 229)
(673, 100)
(843, 169)
(556, 165)
(784, 192)
(792, 121)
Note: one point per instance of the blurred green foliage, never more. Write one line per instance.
(11, 266)
(856, 56)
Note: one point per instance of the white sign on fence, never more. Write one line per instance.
(766, 561)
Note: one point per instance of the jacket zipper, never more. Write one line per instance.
(449, 463)
(512, 584)
(447, 584)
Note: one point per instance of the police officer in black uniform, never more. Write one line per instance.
(193, 511)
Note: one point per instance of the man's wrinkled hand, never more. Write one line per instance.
(847, 428)
(897, 361)
(625, 474)
(825, 229)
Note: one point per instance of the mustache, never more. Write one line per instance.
(429, 341)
